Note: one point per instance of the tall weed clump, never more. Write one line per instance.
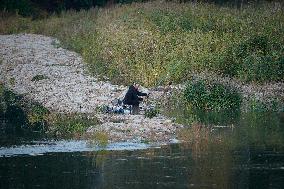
(212, 102)
(208, 96)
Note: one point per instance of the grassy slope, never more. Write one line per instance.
(156, 42)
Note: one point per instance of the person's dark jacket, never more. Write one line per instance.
(132, 96)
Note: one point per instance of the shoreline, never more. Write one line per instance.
(33, 66)
(37, 68)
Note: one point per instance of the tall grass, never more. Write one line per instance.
(157, 41)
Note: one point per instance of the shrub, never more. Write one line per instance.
(151, 112)
(39, 77)
(70, 125)
(202, 95)
(37, 116)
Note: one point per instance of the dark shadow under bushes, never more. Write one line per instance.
(43, 8)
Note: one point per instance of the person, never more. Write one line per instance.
(133, 97)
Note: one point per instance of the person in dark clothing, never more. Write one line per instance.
(132, 97)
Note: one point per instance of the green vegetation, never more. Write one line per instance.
(28, 115)
(12, 81)
(257, 106)
(210, 96)
(151, 112)
(156, 42)
(37, 115)
(11, 107)
(39, 77)
(70, 125)
(99, 139)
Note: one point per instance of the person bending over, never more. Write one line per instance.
(132, 97)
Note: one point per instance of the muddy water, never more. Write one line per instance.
(248, 155)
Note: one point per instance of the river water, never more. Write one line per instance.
(249, 154)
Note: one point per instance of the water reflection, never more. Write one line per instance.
(248, 155)
(174, 166)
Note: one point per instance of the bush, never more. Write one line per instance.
(202, 95)
(151, 112)
(70, 125)
(39, 77)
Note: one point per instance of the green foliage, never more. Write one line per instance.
(202, 95)
(188, 115)
(37, 115)
(12, 81)
(100, 139)
(11, 108)
(255, 105)
(253, 60)
(39, 77)
(151, 112)
(70, 125)
(155, 42)
(102, 109)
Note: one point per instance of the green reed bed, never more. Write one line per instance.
(156, 42)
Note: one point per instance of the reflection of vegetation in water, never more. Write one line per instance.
(253, 133)
(261, 129)
(222, 133)
(213, 169)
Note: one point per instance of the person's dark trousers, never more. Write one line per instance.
(135, 109)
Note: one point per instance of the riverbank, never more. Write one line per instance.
(36, 67)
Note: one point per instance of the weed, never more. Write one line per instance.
(203, 95)
(12, 81)
(100, 139)
(70, 125)
(39, 77)
(151, 112)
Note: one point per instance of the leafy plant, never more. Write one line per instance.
(204, 95)
(69, 125)
(151, 112)
(39, 77)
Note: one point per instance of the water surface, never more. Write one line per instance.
(248, 155)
